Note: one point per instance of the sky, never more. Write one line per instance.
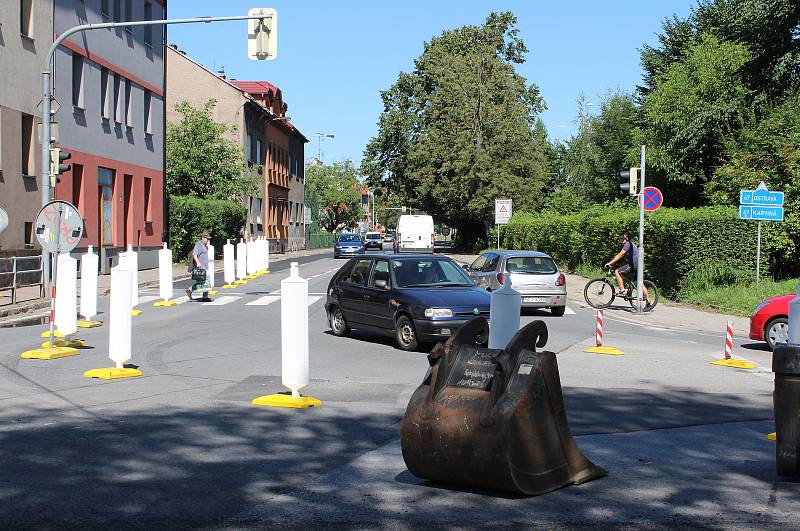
(334, 58)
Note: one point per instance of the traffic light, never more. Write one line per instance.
(629, 181)
(262, 34)
(57, 164)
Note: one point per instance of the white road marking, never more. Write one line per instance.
(222, 301)
(263, 301)
(147, 298)
(313, 299)
(181, 300)
(569, 311)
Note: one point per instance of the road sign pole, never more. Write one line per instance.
(55, 272)
(758, 254)
(640, 265)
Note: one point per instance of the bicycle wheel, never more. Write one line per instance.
(599, 293)
(652, 296)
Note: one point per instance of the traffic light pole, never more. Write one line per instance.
(46, 94)
(640, 264)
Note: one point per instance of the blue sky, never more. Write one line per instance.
(334, 58)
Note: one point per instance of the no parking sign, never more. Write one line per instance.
(652, 197)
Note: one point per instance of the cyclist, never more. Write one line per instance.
(630, 254)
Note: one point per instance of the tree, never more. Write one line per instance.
(201, 162)
(339, 194)
(459, 131)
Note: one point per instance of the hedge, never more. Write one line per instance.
(680, 244)
(190, 216)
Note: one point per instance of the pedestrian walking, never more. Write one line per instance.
(198, 267)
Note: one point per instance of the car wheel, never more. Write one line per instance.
(405, 334)
(338, 324)
(776, 331)
(558, 311)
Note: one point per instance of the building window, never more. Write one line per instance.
(105, 9)
(105, 101)
(117, 99)
(148, 112)
(27, 144)
(26, 18)
(148, 30)
(249, 147)
(128, 13)
(77, 185)
(148, 214)
(77, 81)
(128, 104)
(28, 234)
(117, 11)
(259, 206)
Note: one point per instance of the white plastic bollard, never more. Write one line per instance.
(266, 254)
(133, 266)
(251, 257)
(294, 331)
(211, 266)
(794, 318)
(259, 244)
(165, 288)
(241, 260)
(66, 320)
(119, 334)
(504, 311)
(89, 265)
(229, 263)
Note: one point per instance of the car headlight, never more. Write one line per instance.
(438, 312)
(760, 307)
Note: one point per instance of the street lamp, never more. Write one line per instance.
(320, 136)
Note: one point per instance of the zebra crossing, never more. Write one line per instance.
(232, 298)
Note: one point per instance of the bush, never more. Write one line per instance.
(709, 243)
(190, 216)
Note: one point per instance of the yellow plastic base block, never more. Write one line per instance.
(280, 400)
(240, 282)
(250, 277)
(136, 313)
(89, 324)
(49, 353)
(112, 373)
(165, 303)
(213, 292)
(736, 364)
(46, 334)
(608, 351)
(772, 436)
(230, 286)
(74, 343)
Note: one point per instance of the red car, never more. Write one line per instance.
(770, 321)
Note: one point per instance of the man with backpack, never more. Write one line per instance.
(629, 255)
(198, 267)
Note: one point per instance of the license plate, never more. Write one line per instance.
(534, 299)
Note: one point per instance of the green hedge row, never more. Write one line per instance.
(190, 216)
(683, 247)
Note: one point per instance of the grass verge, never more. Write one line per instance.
(737, 299)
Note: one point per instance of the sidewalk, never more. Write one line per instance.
(29, 301)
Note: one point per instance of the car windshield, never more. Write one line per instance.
(531, 265)
(349, 238)
(373, 236)
(426, 273)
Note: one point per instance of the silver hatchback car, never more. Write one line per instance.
(533, 274)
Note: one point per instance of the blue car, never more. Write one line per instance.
(415, 298)
(348, 244)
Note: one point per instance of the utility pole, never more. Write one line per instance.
(320, 136)
(640, 266)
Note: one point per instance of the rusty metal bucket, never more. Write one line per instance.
(493, 418)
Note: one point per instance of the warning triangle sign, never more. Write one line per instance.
(503, 209)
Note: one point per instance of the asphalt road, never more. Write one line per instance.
(684, 441)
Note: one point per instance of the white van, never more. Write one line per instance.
(414, 234)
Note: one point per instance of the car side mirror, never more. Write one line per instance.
(381, 284)
(465, 267)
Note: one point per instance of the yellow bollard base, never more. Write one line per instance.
(164, 303)
(608, 351)
(49, 353)
(74, 343)
(281, 400)
(136, 313)
(240, 282)
(213, 292)
(46, 334)
(772, 436)
(250, 277)
(112, 373)
(736, 364)
(89, 324)
(230, 286)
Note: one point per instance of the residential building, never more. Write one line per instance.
(109, 85)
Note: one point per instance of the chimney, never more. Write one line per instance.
(221, 73)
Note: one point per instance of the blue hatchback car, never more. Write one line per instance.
(416, 298)
(348, 244)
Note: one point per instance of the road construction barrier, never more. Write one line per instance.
(493, 418)
(165, 282)
(119, 329)
(504, 310)
(598, 347)
(727, 360)
(241, 262)
(89, 267)
(786, 404)
(229, 265)
(251, 259)
(294, 344)
(266, 255)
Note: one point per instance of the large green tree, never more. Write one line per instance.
(338, 193)
(460, 129)
(201, 162)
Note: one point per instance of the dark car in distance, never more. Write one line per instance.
(348, 244)
(415, 298)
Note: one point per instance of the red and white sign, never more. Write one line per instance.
(652, 197)
(502, 211)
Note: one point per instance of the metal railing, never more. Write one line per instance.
(21, 278)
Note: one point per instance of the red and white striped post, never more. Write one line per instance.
(729, 340)
(598, 336)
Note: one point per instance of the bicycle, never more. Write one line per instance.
(600, 292)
